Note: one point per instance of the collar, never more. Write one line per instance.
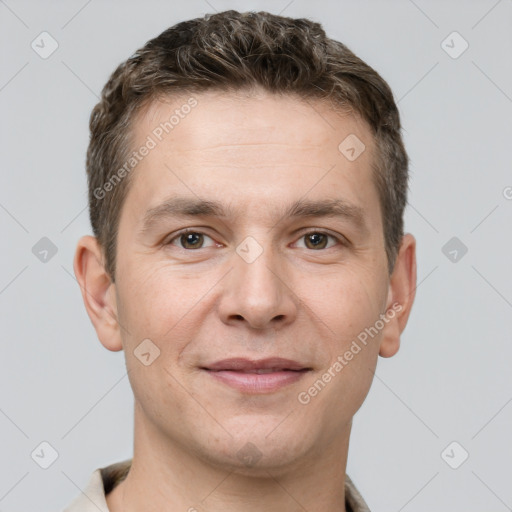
(103, 480)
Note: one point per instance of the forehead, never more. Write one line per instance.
(212, 118)
(255, 145)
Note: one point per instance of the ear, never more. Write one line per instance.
(98, 292)
(402, 290)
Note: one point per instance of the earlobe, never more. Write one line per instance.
(402, 290)
(98, 292)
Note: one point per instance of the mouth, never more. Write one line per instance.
(261, 376)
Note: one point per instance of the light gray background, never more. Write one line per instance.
(451, 380)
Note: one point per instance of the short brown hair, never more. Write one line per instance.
(233, 51)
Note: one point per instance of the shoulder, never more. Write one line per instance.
(101, 482)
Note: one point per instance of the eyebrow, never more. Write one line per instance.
(182, 207)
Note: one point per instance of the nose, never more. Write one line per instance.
(258, 293)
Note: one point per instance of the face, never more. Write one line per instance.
(250, 315)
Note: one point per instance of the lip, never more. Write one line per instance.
(257, 376)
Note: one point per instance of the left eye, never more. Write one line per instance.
(317, 240)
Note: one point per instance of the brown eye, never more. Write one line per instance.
(317, 240)
(191, 240)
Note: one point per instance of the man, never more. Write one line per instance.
(247, 181)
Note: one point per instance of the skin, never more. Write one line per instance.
(256, 153)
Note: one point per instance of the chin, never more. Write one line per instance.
(258, 450)
(250, 460)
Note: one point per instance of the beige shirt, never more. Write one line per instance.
(103, 480)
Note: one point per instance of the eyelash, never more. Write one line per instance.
(339, 240)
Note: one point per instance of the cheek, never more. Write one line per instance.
(155, 301)
(353, 306)
(157, 392)
(346, 302)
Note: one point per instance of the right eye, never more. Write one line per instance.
(190, 239)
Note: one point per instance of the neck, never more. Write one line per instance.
(168, 478)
